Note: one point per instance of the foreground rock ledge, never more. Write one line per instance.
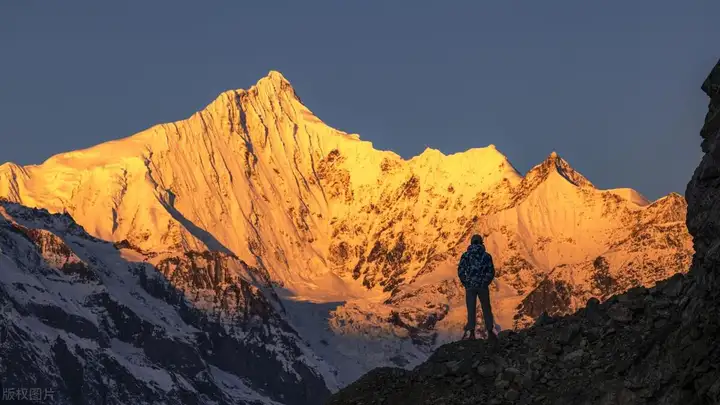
(647, 346)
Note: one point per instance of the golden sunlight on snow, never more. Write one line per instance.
(257, 175)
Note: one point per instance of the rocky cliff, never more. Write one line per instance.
(655, 345)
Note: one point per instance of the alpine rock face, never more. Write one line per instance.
(260, 214)
(88, 325)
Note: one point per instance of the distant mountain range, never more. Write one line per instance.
(253, 253)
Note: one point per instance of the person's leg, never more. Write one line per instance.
(471, 302)
(484, 296)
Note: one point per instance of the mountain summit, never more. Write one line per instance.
(354, 248)
(554, 164)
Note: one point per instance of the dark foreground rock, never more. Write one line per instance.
(631, 349)
(646, 346)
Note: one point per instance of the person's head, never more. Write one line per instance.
(476, 240)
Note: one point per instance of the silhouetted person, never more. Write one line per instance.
(476, 271)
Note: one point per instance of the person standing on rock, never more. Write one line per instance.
(476, 271)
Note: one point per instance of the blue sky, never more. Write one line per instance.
(612, 86)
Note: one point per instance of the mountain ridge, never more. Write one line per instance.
(265, 87)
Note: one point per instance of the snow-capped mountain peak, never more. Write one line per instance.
(360, 244)
(564, 169)
(554, 166)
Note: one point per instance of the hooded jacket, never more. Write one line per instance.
(476, 269)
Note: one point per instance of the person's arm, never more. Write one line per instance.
(492, 268)
(462, 269)
(490, 273)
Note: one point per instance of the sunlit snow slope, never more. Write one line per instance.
(360, 244)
